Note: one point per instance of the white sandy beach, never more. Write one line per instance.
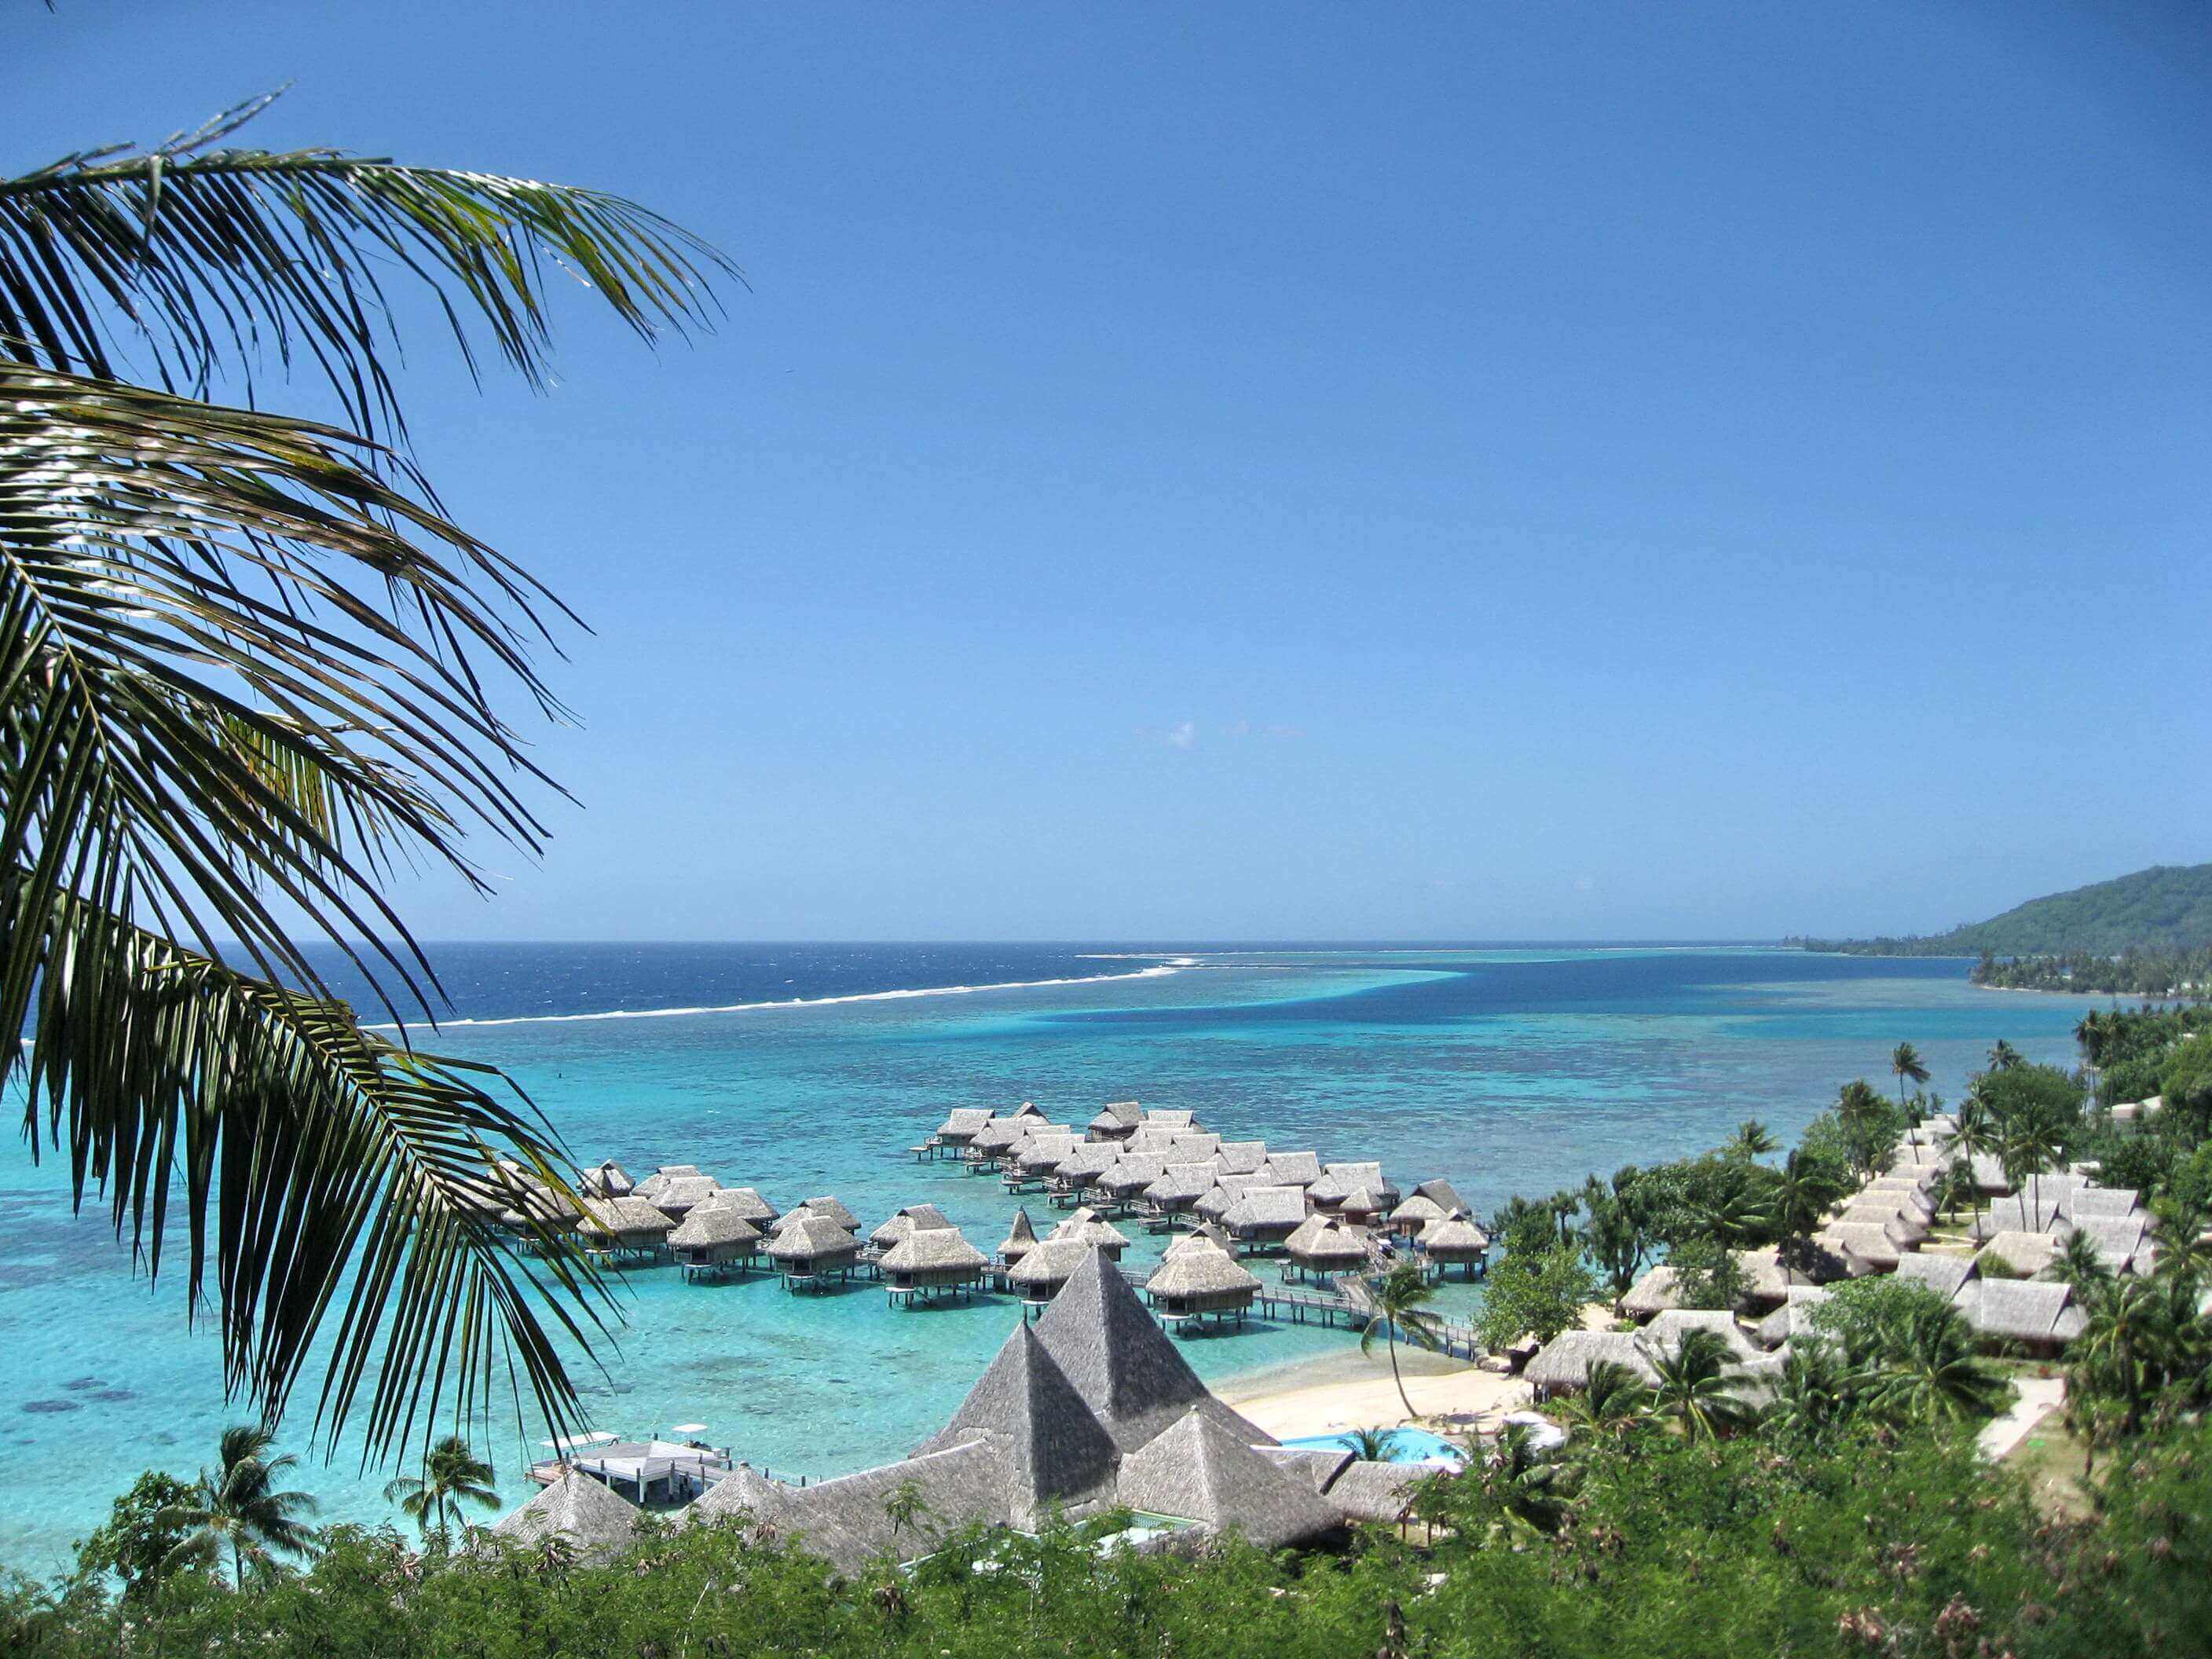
(1348, 1391)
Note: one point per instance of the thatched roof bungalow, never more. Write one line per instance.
(809, 1249)
(1117, 1120)
(1455, 1241)
(1198, 1281)
(711, 1240)
(1089, 1161)
(745, 1201)
(1179, 1187)
(594, 1522)
(1792, 1320)
(2034, 1315)
(1046, 1267)
(1240, 1158)
(677, 1195)
(913, 1217)
(1020, 1237)
(1364, 1205)
(1042, 1154)
(1563, 1365)
(2016, 1255)
(1222, 1196)
(1299, 1170)
(1322, 1245)
(1085, 1227)
(1173, 1119)
(1132, 1173)
(1341, 1181)
(624, 1226)
(961, 1125)
(1265, 1216)
(1652, 1295)
(931, 1259)
(607, 1180)
(1879, 1248)
(1943, 1273)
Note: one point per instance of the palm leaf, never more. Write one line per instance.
(216, 259)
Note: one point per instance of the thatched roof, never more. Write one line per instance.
(1941, 1272)
(1222, 1196)
(2021, 1309)
(1653, 1293)
(655, 1184)
(678, 1195)
(1090, 1160)
(2025, 1254)
(1418, 1211)
(1876, 1246)
(1170, 1118)
(1198, 1470)
(1049, 1263)
(916, 1218)
(742, 1200)
(998, 1134)
(1193, 1146)
(1666, 1331)
(1292, 1168)
(933, 1250)
(1041, 1154)
(607, 1180)
(1442, 1191)
(1792, 1320)
(836, 1211)
(709, 1226)
(1127, 1370)
(1456, 1239)
(1182, 1184)
(1020, 1237)
(808, 1236)
(743, 1491)
(1025, 1406)
(1117, 1115)
(962, 1121)
(1900, 1220)
(1208, 1272)
(1132, 1173)
(1266, 1208)
(596, 1521)
(1340, 1181)
(1325, 1241)
(629, 1217)
(1377, 1492)
(1564, 1361)
(2084, 1202)
(847, 1522)
(1084, 1227)
(1204, 1236)
(1989, 1173)
(1243, 1158)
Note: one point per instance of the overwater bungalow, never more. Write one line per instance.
(1020, 1237)
(1045, 1267)
(1039, 1154)
(1125, 1183)
(1204, 1236)
(1432, 1201)
(713, 1241)
(594, 1522)
(1221, 1198)
(835, 1210)
(1117, 1120)
(1081, 1167)
(651, 1186)
(1240, 1158)
(1264, 1216)
(627, 1229)
(1365, 1205)
(930, 1262)
(607, 1180)
(1341, 1181)
(535, 1206)
(995, 1140)
(1455, 1241)
(811, 1252)
(916, 1218)
(1174, 1119)
(747, 1202)
(1299, 1170)
(1085, 1227)
(678, 1195)
(1323, 1246)
(1194, 1147)
(1197, 1279)
(1179, 1187)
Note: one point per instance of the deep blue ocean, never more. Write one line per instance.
(806, 1069)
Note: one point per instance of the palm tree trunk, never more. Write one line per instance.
(1392, 1333)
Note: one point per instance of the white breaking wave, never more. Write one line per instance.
(1175, 965)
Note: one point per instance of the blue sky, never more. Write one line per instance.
(1304, 472)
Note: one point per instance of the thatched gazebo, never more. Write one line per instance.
(631, 1228)
(1019, 1238)
(1322, 1246)
(711, 1240)
(930, 1261)
(1456, 1241)
(811, 1251)
(1201, 1281)
(916, 1218)
(1084, 1227)
(1045, 1267)
(1265, 1217)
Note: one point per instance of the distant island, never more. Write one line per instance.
(2145, 934)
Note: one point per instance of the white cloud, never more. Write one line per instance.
(1183, 734)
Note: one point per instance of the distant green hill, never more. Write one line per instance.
(2166, 907)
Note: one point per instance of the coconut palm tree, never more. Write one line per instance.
(1928, 1373)
(2079, 1265)
(1904, 1060)
(2004, 1056)
(1526, 1482)
(1694, 1388)
(453, 1477)
(2031, 1146)
(1369, 1445)
(1752, 1140)
(1613, 1399)
(248, 667)
(238, 1509)
(1813, 1393)
(1400, 1308)
(1806, 1188)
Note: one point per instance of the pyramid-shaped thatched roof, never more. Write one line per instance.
(1126, 1368)
(655, 1184)
(1132, 1172)
(1266, 1207)
(1019, 1236)
(596, 1521)
(1048, 1264)
(1197, 1470)
(835, 1210)
(743, 1491)
(1204, 1236)
(808, 1235)
(1442, 1193)
(1024, 1406)
(707, 1226)
(1086, 1227)
(607, 1180)
(1454, 1237)
(1324, 1239)
(933, 1250)
(678, 1195)
(744, 1200)
(1210, 1271)
(916, 1218)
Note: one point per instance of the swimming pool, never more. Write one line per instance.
(1400, 1446)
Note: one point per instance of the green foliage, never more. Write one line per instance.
(1542, 1292)
(139, 1543)
(1858, 1131)
(1707, 1274)
(1864, 1316)
(2186, 1082)
(2167, 907)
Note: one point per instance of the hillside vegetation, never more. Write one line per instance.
(2166, 911)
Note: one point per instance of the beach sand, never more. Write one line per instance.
(1349, 1391)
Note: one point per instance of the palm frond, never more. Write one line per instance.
(323, 1167)
(216, 259)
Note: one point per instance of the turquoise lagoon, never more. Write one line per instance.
(1505, 1070)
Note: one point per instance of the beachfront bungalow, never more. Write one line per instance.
(916, 1218)
(1084, 1227)
(1563, 1365)
(1299, 1170)
(2032, 1317)
(2123, 1241)
(593, 1522)
(2016, 1255)
(1179, 1187)
(1045, 1267)
(930, 1261)
(2087, 1201)
(1020, 1237)
(1264, 1216)
(1241, 1158)
(1455, 1241)
(1876, 1247)
(631, 1228)
(607, 1180)
(1322, 1246)
(1197, 1279)
(1341, 1181)
(1659, 1289)
(811, 1251)
(1117, 1120)
(713, 1241)
(1665, 1333)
